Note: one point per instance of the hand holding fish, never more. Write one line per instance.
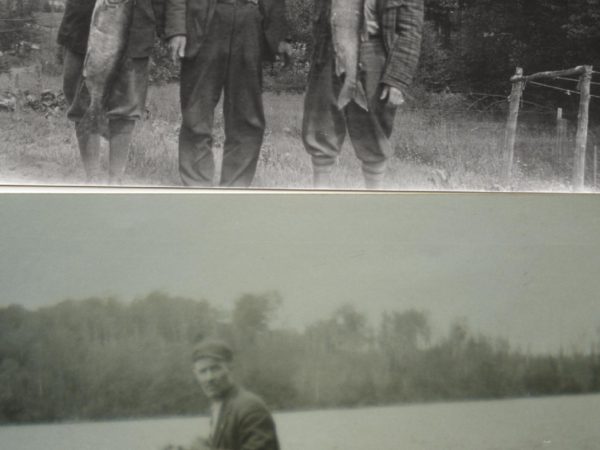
(177, 47)
(394, 96)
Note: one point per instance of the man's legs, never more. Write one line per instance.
(202, 79)
(370, 130)
(242, 103)
(78, 99)
(323, 126)
(125, 105)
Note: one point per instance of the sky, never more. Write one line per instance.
(525, 267)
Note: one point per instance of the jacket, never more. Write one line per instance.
(402, 30)
(199, 15)
(401, 23)
(149, 18)
(244, 423)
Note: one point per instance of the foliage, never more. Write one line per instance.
(103, 358)
(299, 16)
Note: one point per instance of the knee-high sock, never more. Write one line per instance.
(121, 131)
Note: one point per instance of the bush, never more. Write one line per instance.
(299, 14)
(162, 68)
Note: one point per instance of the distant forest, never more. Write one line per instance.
(103, 358)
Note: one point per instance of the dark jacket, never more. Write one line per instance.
(200, 12)
(244, 423)
(401, 23)
(149, 18)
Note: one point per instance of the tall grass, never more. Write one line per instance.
(433, 148)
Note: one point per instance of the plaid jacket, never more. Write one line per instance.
(402, 26)
(401, 23)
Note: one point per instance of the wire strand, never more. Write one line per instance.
(12, 30)
(568, 91)
(574, 79)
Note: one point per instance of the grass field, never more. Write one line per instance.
(438, 143)
(434, 147)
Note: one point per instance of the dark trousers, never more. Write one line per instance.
(228, 61)
(324, 125)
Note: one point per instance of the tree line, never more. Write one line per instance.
(104, 358)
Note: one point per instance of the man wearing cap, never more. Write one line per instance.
(239, 419)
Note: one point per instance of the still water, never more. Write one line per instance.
(565, 423)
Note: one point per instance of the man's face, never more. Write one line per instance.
(214, 376)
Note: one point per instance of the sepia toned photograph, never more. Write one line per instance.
(396, 95)
(270, 321)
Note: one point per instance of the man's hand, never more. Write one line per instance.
(285, 52)
(394, 96)
(200, 444)
(177, 47)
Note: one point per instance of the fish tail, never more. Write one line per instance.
(90, 122)
(353, 92)
(94, 121)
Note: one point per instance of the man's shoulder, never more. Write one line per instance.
(245, 401)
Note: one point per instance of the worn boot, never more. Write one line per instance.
(119, 140)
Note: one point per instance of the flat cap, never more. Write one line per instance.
(212, 348)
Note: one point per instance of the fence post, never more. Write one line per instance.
(511, 124)
(582, 128)
(561, 136)
(595, 165)
(18, 95)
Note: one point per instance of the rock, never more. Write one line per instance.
(8, 102)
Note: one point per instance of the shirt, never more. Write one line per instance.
(215, 410)
(371, 23)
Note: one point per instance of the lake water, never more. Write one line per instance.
(565, 423)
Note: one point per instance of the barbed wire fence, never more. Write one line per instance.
(583, 89)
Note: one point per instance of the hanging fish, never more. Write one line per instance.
(346, 26)
(107, 42)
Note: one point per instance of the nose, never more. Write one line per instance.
(209, 376)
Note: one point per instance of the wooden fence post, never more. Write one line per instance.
(582, 128)
(511, 124)
(561, 137)
(18, 95)
(595, 165)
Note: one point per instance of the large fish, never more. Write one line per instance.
(346, 28)
(107, 42)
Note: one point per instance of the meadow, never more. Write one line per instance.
(442, 141)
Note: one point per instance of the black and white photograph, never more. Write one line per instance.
(395, 95)
(293, 321)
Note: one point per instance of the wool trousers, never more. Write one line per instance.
(229, 62)
(325, 125)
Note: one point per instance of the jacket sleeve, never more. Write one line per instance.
(257, 430)
(402, 24)
(175, 23)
